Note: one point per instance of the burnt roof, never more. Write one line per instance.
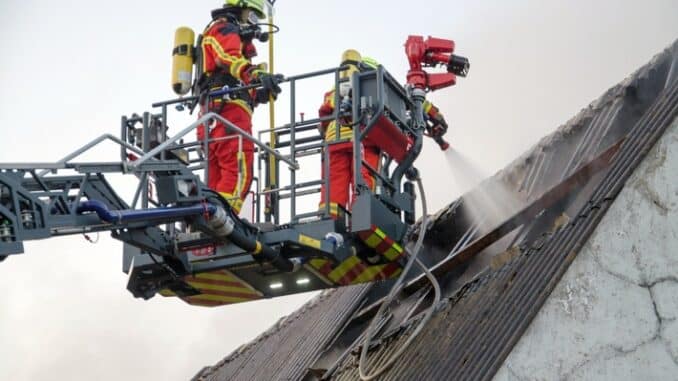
(488, 303)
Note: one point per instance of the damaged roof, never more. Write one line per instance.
(489, 301)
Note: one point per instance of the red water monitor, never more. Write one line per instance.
(431, 53)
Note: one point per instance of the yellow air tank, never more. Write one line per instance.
(182, 60)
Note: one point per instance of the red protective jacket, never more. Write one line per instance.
(223, 51)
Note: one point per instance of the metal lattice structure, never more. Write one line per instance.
(182, 239)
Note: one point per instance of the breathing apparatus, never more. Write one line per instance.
(244, 15)
(351, 59)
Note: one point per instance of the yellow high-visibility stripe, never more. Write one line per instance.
(334, 208)
(373, 241)
(236, 64)
(427, 106)
(242, 180)
(234, 202)
(313, 269)
(244, 105)
(204, 61)
(392, 253)
(241, 171)
(226, 276)
(236, 67)
(329, 98)
(218, 298)
(345, 133)
(215, 276)
(344, 268)
(380, 233)
(368, 274)
(167, 292)
(309, 241)
(215, 287)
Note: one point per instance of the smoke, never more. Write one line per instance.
(487, 200)
(465, 174)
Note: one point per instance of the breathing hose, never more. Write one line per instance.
(392, 294)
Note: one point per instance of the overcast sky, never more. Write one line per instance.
(70, 69)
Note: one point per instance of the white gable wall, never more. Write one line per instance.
(614, 314)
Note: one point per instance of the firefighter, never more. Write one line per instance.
(226, 50)
(436, 124)
(340, 144)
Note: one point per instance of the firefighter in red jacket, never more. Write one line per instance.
(226, 51)
(340, 142)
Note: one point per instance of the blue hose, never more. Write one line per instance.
(125, 216)
(239, 238)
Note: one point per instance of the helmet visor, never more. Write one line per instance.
(252, 17)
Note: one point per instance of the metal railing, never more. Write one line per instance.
(294, 140)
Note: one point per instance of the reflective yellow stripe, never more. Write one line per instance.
(258, 248)
(167, 292)
(343, 268)
(318, 263)
(215, 276)
(373, 241)
(380, 233)
(236, 67)
(309, 241)
(345, 133)
(313, 268)
(427, 106)
(216, 287)
(334, 208)
(329, 98)
(218, 298)
(226, 276)
(236, 64)
(204, 61)
(392, 253)
(245, 177)
(244, 105)
(368, 274)
(242, 175)
(234, 202)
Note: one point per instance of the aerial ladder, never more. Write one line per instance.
(181, 239)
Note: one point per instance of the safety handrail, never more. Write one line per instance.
(202, 120)
(61, 164)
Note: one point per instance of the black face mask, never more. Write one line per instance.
(249, 32)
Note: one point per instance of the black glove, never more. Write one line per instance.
(438, 125)
(269, 87)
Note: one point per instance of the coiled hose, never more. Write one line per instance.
(392, 294)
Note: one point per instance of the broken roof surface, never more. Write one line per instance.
(488, 302)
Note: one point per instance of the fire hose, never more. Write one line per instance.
(369, 333)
